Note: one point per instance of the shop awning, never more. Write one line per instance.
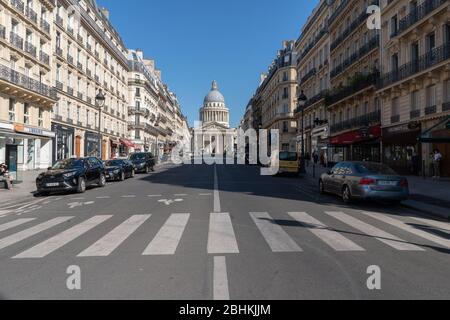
(440, 133)
(127, 143)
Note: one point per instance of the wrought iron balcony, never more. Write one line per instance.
(44, 58)
(31, 14)
(88, 47)
(16, 40)
(80, 66)
(80, 95)
(424, 62)
(430, 110)
(18, 5)
(26, 82)
(361, 83)
(59, 21)
(89, 73)
(30, 49)
(366, 120)
(415, 114)
(69, 58)
(97, 79)
(309, 75)
(59, 52)
(80, 38)
(2, 32)
(351, 28)
(59, 85)
(45, 26)
(70, 30)
(419, 13)
(70, 91)
(314, 42)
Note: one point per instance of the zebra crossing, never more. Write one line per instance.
(222, 233)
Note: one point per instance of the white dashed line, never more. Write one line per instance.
(129, 196)
(220, 281)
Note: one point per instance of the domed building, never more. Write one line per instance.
(215, 121)
(214, 109)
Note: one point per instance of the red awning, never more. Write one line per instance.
(356, 136)
(127, 143)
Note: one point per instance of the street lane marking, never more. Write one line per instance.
(221, 238)
(205, 194)
(12, 239)
(167, 240)
(131, 196)
(14, 224)
(105, 197)
(180, 195)
(105, 246)
(372, 231)
(216, 192)
(332, 238)
(154, 195)
(434, 223)
(276, 237)
(401, 225)
(220, 279)
(47, 247)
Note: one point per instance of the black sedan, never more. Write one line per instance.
(119, 170)
(72, 175)
(143, 161)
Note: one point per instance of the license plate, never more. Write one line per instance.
(54, 184)
(388, 183)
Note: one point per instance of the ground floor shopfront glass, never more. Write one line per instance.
(92, 144)
(63, 146)
(438, 138)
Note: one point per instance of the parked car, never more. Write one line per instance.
(143, 162)
(72, 175)
(119, 169)
(364, 180)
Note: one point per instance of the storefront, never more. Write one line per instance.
(63, 145)
(126, 147)
(401, 148)
(92, 144)
(24, 148)
(438, 138)
(358, 145)
(114, 147)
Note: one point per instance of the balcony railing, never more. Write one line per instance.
(314, 42)
(70, 30)
(80, 95)
(59, 85)
(419, 13)
(31, 14)
(80, 38)
(69, 58)
(366, 120)
(430, 110)
(2, 32)
(59, 52)
(415, 114)
(89, 73)
(446, 106)
(44, 58)
(26, 82)
(309, 75)
(15, 40)
(80, 66)
(30, 49)
(45, 26)
(372, 44)
(18, 4)
(351, 28)
(70, 91)
(395, 118)
(424, 62)
(97, 79)
(362, 83)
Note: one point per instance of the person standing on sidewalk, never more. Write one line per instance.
(437, 164)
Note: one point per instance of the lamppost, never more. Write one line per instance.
(301, 105)
(100, 102)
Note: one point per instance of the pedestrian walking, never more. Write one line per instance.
(316, 158)
(437, 164)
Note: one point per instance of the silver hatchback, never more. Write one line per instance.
(364, 180)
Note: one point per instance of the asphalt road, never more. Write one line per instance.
(218, 232)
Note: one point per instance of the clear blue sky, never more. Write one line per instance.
(197, 41)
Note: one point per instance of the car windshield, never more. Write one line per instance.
(68, 164)
(288, 156)
(374, 168)
(138, 156)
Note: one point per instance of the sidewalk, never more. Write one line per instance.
(23, 190)
(427, 195)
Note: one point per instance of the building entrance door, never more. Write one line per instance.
(78, 146)
(11, 160)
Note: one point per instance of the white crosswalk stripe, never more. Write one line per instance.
(105, 246)
(399, 224)
(167, 240)
(372, 231)
(25, 234)
(277, 239)
(221, 238)
(331, 237)
(444, 226)
(15, 223)
(47, 247)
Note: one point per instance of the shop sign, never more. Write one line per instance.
(356, 136)
(34, 131)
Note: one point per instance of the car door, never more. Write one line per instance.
(341, 178)
(93, 175)
(327, 183)
(333, 183)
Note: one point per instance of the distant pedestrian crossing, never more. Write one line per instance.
(276, 235)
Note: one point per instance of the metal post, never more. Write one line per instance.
(100, 133)
(302, 161)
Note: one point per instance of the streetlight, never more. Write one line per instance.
(301, 105)
(100, 102)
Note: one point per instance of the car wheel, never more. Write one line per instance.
(346, 195)
(122, 176)
(102, 181)
(81, 187)
(321, 187)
